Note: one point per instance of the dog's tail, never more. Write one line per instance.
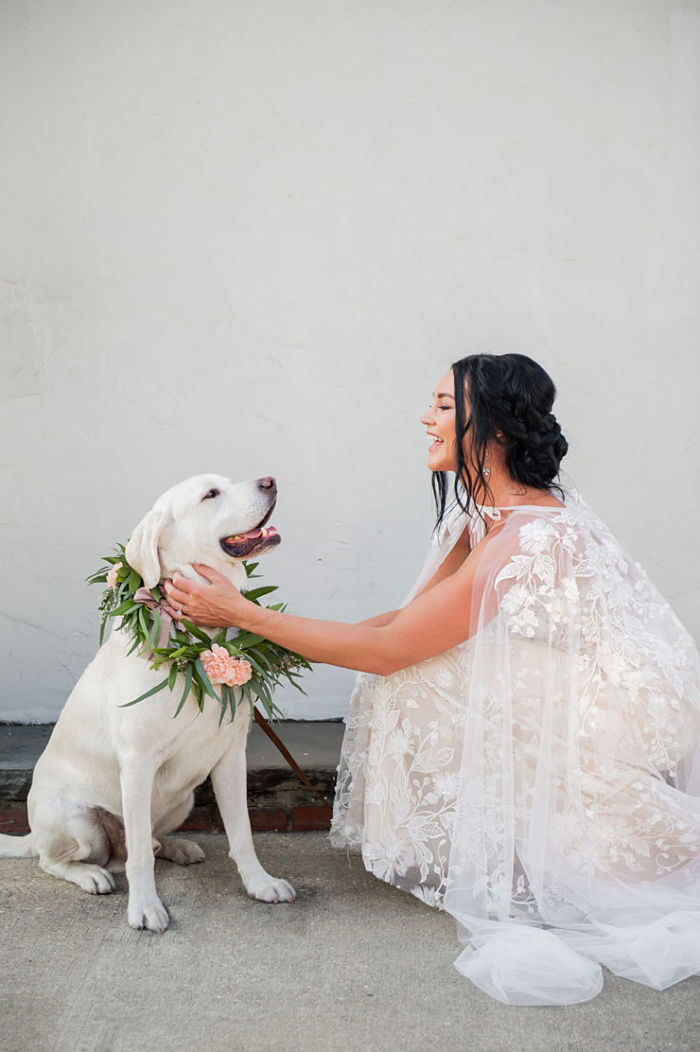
(17, 846)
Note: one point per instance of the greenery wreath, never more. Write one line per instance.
(242, 660)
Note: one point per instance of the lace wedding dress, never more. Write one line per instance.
(538, 781)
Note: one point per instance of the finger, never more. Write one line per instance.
(183, 585)
(176, 596)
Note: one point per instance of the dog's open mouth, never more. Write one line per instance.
(253, 542)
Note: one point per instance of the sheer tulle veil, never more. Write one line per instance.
(574, 839)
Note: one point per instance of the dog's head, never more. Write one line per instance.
(206, 519)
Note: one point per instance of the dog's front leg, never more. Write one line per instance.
(229, 779)
(145, 908)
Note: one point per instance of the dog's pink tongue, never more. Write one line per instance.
(253, 535)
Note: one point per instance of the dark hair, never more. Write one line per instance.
(510, 400)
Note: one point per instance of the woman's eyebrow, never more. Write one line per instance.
(444, 394)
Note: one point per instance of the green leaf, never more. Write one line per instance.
(99, 577)
(258, 593)
(153, 690)
(260, 656)
(203, 679)
(124, 608)
(169, 654)
(188, 684)
(134, 646)
(197, 632)
(253, 662)
(225, 691)
(172, 676)
(154, 633)
(244, 639)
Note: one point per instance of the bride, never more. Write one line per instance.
(522, 743)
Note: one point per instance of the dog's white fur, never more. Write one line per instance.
(112, 781)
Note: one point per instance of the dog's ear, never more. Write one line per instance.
(142, 549)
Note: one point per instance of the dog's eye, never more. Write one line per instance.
(211, 494)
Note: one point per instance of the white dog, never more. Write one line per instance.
(112, 780)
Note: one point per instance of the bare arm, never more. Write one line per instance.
(380, 620)
(434, 622)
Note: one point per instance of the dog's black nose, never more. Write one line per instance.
(268, 483)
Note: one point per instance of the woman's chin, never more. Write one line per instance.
(439, 462)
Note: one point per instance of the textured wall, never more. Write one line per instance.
(249, 237)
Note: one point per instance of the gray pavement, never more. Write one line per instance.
(352, 964)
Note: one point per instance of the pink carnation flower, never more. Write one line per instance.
(220, 667)
(112, 576)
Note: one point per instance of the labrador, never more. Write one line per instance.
(113, 781)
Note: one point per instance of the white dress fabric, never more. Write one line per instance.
(541, 781)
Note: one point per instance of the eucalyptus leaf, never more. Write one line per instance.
(245, 639)
(197, 632)
(186, 690)
(203, 679)
(148, 694)
(258, 593)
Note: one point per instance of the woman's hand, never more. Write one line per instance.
(218, 604)
(432, 623)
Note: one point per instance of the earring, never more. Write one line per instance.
(487, 471)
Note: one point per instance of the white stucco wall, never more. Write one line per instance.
(248, 237)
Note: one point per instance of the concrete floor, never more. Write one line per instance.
(353, 964)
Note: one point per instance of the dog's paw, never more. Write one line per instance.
(93, 879)
(151, 915)
(272, 889)
(183, 852)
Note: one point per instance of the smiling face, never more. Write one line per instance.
(441, 426)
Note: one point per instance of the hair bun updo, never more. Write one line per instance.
(522, 410)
